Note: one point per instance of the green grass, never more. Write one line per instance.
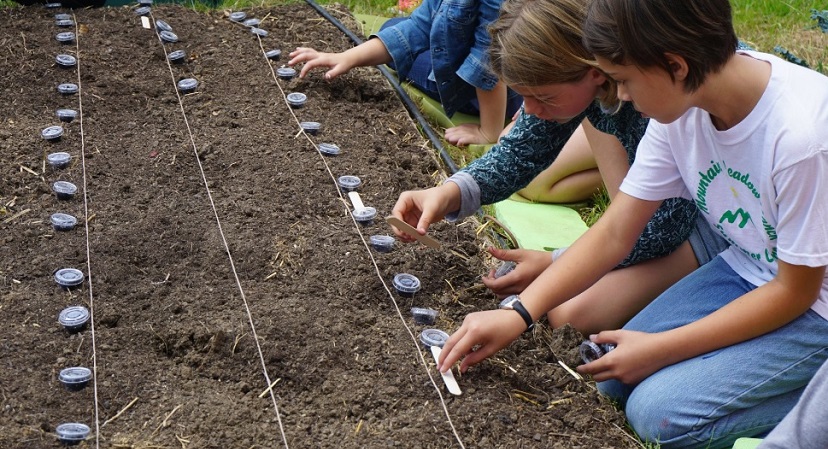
(787, 23)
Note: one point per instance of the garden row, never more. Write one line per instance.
(174, 354)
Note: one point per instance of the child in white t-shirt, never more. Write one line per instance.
(727, 351)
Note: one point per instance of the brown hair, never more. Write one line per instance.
(539, 42)
(640, 32)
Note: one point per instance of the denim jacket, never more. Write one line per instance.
(456, 34)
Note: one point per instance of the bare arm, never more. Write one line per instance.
(593, 255)
(762, 310)
(369, 53)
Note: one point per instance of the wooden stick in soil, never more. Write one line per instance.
(120, 413)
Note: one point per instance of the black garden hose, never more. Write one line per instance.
(409, 104)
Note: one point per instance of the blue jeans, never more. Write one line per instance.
(742, 390)
(421, 69)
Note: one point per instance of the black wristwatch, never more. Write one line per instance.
(513, 303)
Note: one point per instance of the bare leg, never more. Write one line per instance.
(572, 177)
(623, 292)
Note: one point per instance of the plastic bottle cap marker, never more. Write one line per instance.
(52, 132)
(67, 88)
(66, 115)
(259, 32)
(348, 183)
(329, 149)
(74, 318)
(238, 16)
(75, 378)
(63, 222)
(187, 85)
(406, 284)
(64, 190)
(424, 315)
(58, 160)
(382, 243)
(311, 128)
(434, 337)
(162, 25)
(168, 36)
(72, 433)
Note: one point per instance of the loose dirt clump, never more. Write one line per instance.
(186, 341)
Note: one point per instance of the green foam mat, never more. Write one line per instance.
(540, 226)
(746, 443)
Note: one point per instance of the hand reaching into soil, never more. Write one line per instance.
(421, 208)
(337, 62)
(481, 335)
(370, 52)
(467, 134)
(530, 264)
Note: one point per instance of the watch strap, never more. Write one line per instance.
(527, 317)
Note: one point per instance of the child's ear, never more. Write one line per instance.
(678, 66)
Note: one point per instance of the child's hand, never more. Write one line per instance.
(421, 208)
(636, 356)
(337, 62)
(481, 335)
(530, 264)
(466, 134)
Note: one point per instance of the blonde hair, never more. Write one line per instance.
(539, 42)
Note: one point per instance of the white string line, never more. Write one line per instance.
(367, 248)
(86, 228)
(223, 238)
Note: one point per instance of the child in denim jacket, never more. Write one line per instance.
(441, 48)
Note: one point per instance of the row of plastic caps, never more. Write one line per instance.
(73, 318)
(250, 22)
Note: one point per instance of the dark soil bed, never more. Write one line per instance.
(172, 337)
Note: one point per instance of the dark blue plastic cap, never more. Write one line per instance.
(285, 73)
(187, 85)
(66, 115)
(434, 337)
(365, 216)
(330, 149)
(259, 31)
(238, 16)
(67, 88)
(406, 284)
(66, 60)
(75, 378)
(348, 183)
(311, 128)
(168, 36)
(177, 56)
(74, 318)
(382, 243)
(58, 160)
(424, 315)
(274, 54)
(72, 433)
(591, 351)
(162, 25)
(63, 222)
(296, 99)
(64, 190)
(69, 277)
(66, 37)
(52, 132)
(65, 23)
(63, 16)
(504, 269)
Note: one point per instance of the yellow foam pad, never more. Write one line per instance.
(540, 226)
(746, 443)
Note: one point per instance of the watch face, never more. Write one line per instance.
(508, 302)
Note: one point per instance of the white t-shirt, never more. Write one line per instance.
(763, 184)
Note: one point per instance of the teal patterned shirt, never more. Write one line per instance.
(531, 147)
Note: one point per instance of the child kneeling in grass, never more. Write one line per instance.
(727, 351)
